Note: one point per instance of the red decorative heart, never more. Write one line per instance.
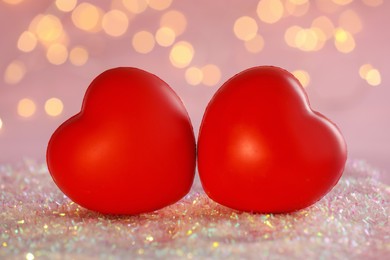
(261, 148)
(130, 150)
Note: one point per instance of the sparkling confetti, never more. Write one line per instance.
(39, 222)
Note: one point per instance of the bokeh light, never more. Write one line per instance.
(27, 41)
(54, 107)
(194, 76)
(30, 256)
(175, 20)
(195, 42)
(350, 21)
(181, 54)
(26, 107)
(34, 22)
(290, 34)
(325, 24)
(297, 7)
(327, 6)
(311, 39)
(165, 36)
(373, 77)
(57, 54)
(370, 74)
(211, 75)
(298, 2)
(270, 11)
(342, 2)
(303, 77)
(306, 40)
(373, 3)
(143, 42)
(13, 2)
(49, 28)
(135, 6)
(321, 38)
(245, 28)
(255, 45)
(66, 5)
(78, 56)
(364, 69)
(344, 41)
(115, 23)
(87, 17)
(159, 4)
(341, 35)
(14, 72)
(1, 124)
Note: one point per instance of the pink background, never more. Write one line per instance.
(336, 89)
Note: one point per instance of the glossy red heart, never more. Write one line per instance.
(261, 148)
(131, 149)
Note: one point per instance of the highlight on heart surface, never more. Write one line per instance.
(261, 148)
(131, 149)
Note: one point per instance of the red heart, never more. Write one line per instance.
(261, 148)
(130, 150)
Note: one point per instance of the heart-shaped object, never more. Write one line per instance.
(261, 148)
(131, 149)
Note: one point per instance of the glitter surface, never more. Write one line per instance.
(37, 221)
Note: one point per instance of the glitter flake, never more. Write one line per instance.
(38, 222)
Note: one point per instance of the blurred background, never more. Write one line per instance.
(51, 50)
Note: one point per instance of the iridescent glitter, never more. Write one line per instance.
(37, 221)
